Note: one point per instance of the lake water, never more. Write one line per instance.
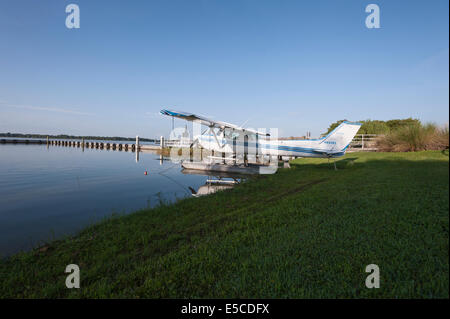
(46, 193)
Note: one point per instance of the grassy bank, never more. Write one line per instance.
(308, 231)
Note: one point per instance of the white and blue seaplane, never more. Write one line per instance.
(234, 142)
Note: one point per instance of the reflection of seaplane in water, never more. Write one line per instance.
(211, 186)
(214, 182)
(241, 142)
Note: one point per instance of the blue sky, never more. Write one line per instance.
(296, 65)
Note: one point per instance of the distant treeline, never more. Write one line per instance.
(64, 136)
(379, 127)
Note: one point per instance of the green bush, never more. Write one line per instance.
(377, 126)
(373, 127)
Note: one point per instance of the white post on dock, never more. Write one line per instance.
(137, 148)
(161, 142)
(47, 141)
(257, 145)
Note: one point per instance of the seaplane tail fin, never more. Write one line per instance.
(339, 139)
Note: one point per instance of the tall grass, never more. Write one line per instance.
(415, 137)
(441, 137)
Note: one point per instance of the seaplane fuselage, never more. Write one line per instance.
(232, 139)
(333, 145)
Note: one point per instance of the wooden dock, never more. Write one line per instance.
(89, 144)
(241, 169)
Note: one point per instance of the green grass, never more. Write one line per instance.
(305, 232)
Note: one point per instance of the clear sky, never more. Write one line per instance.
(296, 65)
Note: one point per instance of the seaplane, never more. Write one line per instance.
(240, 142)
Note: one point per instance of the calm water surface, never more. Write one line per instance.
(46, 193)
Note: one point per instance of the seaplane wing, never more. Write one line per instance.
(208, 122)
